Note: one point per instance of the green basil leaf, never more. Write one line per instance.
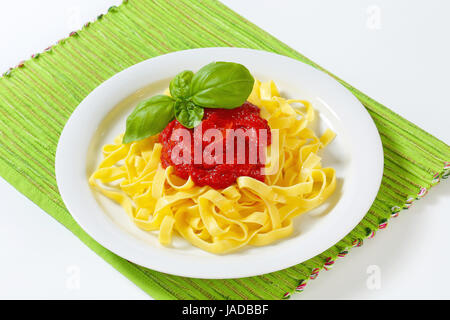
(188, 114)
(221, 85)
(149, 118)
(180, 85)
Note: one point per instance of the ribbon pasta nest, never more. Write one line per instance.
(247, 212)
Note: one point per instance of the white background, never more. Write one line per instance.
(396, 51)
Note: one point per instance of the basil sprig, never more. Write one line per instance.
(149, 118)
(181, 84)
(216, 85)
(188, 113)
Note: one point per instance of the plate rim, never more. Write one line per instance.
(119, 249)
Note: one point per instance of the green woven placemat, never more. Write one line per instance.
(38, 96)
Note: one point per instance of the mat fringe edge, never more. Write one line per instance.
(395, 211)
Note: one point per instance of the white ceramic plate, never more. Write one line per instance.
(356, 154)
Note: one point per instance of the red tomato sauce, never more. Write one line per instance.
(216, 170)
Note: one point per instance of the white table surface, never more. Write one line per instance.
(395, 51)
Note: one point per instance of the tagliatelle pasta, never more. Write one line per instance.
(247, 212)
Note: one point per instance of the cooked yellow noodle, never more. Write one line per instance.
(247, 212)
